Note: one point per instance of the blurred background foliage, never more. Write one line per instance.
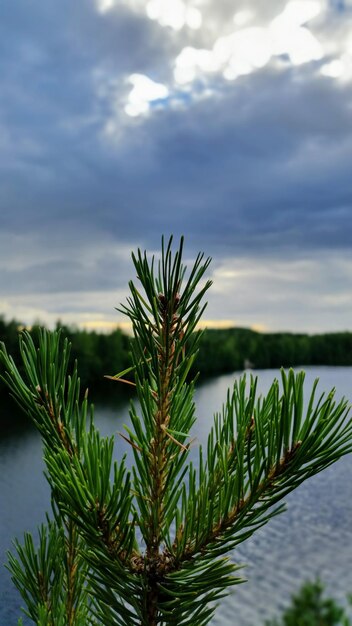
(310, 606)
(221, 351)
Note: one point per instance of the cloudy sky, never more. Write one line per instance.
(226, 121)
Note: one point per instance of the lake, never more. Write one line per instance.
(312, 538)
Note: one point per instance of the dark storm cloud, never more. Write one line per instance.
(245, 167)
(265, 167)
(60, 276)
(260, 168)
(51, 57)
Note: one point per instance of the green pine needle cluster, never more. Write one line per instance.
(148, 547)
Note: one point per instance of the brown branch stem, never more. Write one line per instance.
(159, 444)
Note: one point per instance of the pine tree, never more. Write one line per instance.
(309, 607)
(148, 547)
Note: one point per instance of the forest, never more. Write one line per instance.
(221, 351)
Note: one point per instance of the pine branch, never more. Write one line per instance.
(163, 321)
(89, 567)
(255, 460)
(51, 399)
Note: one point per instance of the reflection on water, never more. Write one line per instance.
(313, 537)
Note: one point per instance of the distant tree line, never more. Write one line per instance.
(97, 354)
(221, 351)
(237, 348)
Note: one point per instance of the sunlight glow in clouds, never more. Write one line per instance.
(298, 12)
(144, 92)
(191, 61)
(241, 18)
(243, 51)
(334, 69)
(174, 13)
(248, 48)
(339, 68)
(290, 36)
(104, 6)
(251, 48)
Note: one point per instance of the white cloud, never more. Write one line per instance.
(334, 69)
(299, 43)
(174, 13)
(248, 49)
(104, 6)
(222, 48)
(192, 60)
(289, 36)
(193, 18)
(241, 18)
(338, 69)
(243, 51)
(238, 53)
(144, 92)
(298, 12)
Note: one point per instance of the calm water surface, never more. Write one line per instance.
(312, 538)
